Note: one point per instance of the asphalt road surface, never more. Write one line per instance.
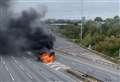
(65, 45)
(96, 70)
(26, 69)
(86, 61)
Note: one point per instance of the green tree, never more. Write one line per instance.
(98, 19)
(71, 31)
(103, 36)
(90, 27)
(87, 40)
(109, 46)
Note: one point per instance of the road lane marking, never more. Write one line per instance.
(11, 76)
(29, 75)
(57, 66)
(22, 68)
(6, 68)
(42, 73)
(9, 73)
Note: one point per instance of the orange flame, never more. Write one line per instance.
(46, 58)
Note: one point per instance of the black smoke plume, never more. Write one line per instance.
(4, 3)
(21, 34)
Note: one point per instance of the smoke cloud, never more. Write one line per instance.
(22, 33)
(4, 3)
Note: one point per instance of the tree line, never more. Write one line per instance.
(98, 34)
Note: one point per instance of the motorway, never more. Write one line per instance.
(26, 69)
(64, 44)
(87, 62)
(98, 71)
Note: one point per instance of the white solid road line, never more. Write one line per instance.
(9, 73)
(11, 76)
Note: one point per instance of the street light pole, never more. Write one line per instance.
(119, 52)
(81, 25)
(81, 28)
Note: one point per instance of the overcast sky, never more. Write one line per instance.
(71, 9)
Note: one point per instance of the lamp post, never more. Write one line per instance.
(81, 25)
(119, 52)
(81, 32)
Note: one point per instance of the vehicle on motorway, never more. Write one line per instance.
(46, 56)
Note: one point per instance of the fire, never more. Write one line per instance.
(47, 58)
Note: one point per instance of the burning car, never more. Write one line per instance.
(46, 56)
